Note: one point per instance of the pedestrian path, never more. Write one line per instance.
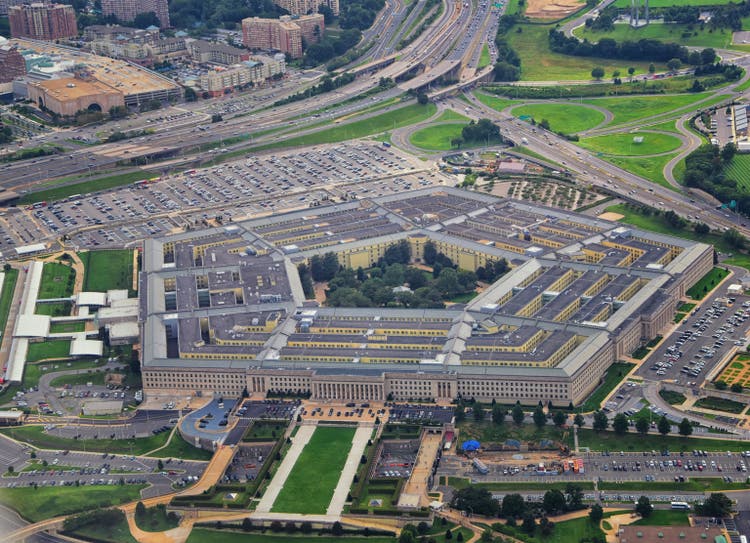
(359, 442)
(299, 441)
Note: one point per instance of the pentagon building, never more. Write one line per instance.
(223, 309)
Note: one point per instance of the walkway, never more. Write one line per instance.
(359, 442)
(417, 486)
(299, 441)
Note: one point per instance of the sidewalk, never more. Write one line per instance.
(359, 442)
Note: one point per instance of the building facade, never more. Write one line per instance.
(285, 34)
(305, 7)
(126, 10)
(12, 63)
(40, 21)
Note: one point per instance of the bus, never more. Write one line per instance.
(743, 539)
(680, 505)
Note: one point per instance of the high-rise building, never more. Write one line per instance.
(126, 10)
(303, 7)
(42, 21)
(12, 63)
(284, 34)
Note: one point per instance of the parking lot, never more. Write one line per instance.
(420, 413)
(700, 342)
(397, 459)
(250, 187)
(247, 462)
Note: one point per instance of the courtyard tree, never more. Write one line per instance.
(685, 427)
(663, 425)
(601, 422)
(643, 507)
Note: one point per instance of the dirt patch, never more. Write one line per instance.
(610, 216)
(551, 9)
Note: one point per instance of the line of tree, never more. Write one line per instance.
(621, 424)
(508, 63)
(646, 49)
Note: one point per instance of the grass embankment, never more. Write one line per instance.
(689, 35)
(404, 116)
(35, 504)
(632, 108)
(35, 435)
(92, 185)
(614, 376)
(699, 484)
(625, 144)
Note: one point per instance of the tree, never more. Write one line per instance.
(540, 419)
(701, 228)
(457, 142)
(160, 465)
(306, 527)
(643, 507)
(600, 421)
(631, 71)
(448, 534)
(685, 427)
(597, 73)
(620, 424)
(553, 502)
(498, 415)
(651, 68)
(674, 64)
(517, 414)
(408, 534)
(616, 74)
(529, 524)
(423, 528)
(559, 418)
(144, 20)
(545, 526)
(459, 413)
(578, 420)
(716, 505)
(190, 94)
(596, 514)
(422, 98)
(642, 425)
(736, 388)
(505, 71)
(479, 413)
(720, 385)
(663, 425)
(574, 495)
(708, 55)
(513, 506)
(477, 500)
(337, 529)
(728, 152)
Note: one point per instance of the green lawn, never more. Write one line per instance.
(436, 137)
(631, 108)
(57, 281)
(664, 517)
(92, 185)
(106, 270)
(450, 115)
(35, 504)
(609, 441)
(568, 531)
(739, 170)
(720, 404)
(698, 484)
(179, 448)
(35, 435)
(156, 519)
(495, 102)
(6, 297)
(567, 118)
(67, 327)
(118, 532)
(622, 144)
(390, 120)
(651, 168)
(459, 483)
(539, 63)
(615, 374)
(484, 57)
(699, 290)
(78, 379)
(58, 309)
(265, 430)
(666, 126)
(43, 350)
(692, 35)
(310, 485)
(672, 397)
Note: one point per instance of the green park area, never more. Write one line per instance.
(615, 374)
(690, 35)
(568, 118)
(155, 519)
(57, 281)
(35, 504)
(539, 63)
(403, 116)
(436, 137)
(310, 485)
(6, 296)
(567, 531)
(631, 108)
(664, 517)
(651, 168)
(706, 283)
(720, 404)
(106, 270)
(90, 185)
(739, 170)
(631, 144)
(44, 350)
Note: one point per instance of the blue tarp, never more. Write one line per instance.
(471, 445)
